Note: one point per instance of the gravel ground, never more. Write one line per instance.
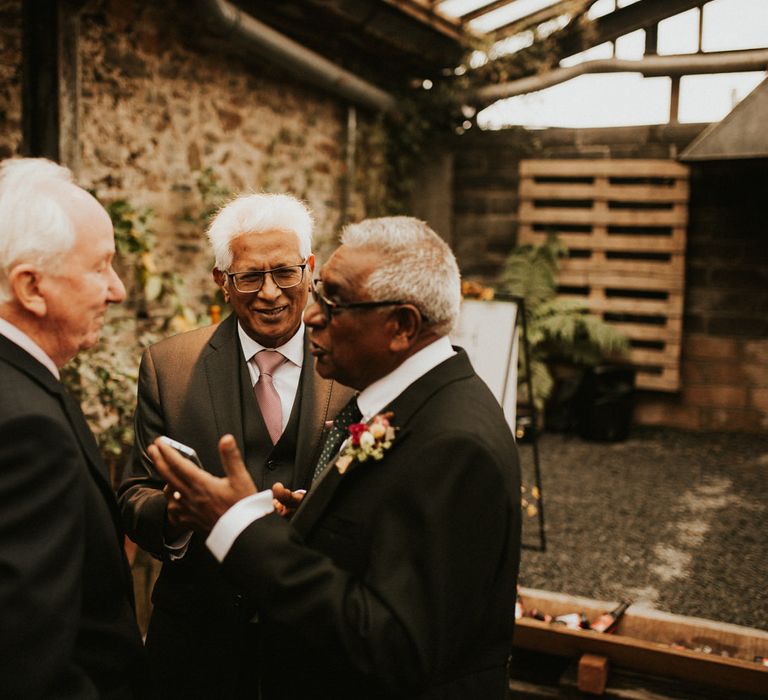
(671, 520)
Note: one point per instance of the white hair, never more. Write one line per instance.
(34, 227)
(258, 213)
(416, 266)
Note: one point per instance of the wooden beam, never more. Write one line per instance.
(674, 99)
(40, 79)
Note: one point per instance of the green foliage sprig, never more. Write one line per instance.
(558, 329)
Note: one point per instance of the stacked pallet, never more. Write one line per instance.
(623, 222)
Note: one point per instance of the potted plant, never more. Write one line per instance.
(564, 338)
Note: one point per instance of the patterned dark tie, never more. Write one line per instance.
(338, 433)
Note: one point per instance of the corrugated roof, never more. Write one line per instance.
(741, 134)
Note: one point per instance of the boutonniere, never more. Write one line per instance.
(367, 441)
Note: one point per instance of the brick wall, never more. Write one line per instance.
(725, 353)
(725, 346)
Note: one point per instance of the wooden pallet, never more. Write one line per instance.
(624, 223)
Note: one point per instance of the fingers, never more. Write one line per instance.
(178, 471)
(286, 497)
(231, 459)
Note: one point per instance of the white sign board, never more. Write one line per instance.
(487, 330)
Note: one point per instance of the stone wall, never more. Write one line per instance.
(724, 359)
(158, 103)
(10, 77)
(155, 111)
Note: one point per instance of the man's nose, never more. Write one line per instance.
(269, 288)
(314, 316)
(116, 289)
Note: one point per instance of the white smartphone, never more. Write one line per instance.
(185, 450)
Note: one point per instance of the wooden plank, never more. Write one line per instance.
(609, 279)
(677, 192)
(610, 217)
(673, 268)
(668, 357)
(589, 241)
(588, 167)
(668, 380)
(648, 307)
(639, 331)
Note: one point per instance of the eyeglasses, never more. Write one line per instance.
(329, 308)
(252, 281)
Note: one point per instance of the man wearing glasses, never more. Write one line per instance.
(395, 577)
(251, 376)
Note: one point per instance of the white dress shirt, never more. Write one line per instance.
(370, 401)
(286, 377)
(26, 343)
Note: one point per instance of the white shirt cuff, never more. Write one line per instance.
(235, 520)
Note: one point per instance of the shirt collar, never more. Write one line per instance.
(292, 350)
(376, 396)
(27, 344)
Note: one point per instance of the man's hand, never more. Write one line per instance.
(286, 501)
(174, 517)
(201, 498)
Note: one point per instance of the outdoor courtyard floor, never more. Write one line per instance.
(671, 520)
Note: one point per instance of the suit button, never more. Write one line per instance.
(238, 600)
(271, 465)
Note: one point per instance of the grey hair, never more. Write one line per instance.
(258, 213)
(417, 266)
(34, 227)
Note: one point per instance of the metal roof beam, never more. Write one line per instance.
(632, 17)
(723, 62)
(483, 10)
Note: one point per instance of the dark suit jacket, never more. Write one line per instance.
(67, 624)
(397, 579)
(195, 387)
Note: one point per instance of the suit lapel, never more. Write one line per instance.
(85, 437)
(403, 407)
(315, 401)
(222, 369)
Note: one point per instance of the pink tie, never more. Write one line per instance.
(269, 402)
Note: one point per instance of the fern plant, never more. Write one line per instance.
(558, 329)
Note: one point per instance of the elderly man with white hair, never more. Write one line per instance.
(395, 578)
(252, 376)
(67, 624)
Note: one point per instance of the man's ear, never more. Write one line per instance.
(220, 278)
(311, 262)
(25, 283)
(408, 324)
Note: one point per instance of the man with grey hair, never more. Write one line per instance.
(396, 576)
(67, 624)
(251, 376)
